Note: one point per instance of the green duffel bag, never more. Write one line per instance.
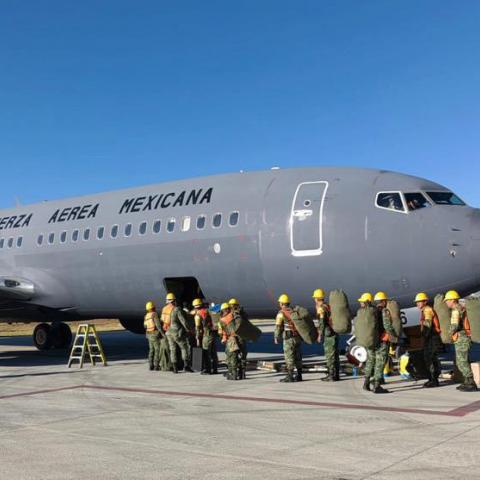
(366, 328)
(394, 309)
(444, 315)
(245, 329)
(473, 313)
(304, 324)
(340, 311)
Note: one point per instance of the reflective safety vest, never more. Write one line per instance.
(289, 325)
(167, 316)
(225, 322)
(149, 322)
(327, 313)
(435, 321)
(464, 325)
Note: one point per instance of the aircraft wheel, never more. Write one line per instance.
(61, 335)
(42, 337)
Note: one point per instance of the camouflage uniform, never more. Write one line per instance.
(431, 333)
(462, 341)
(232, 345)
(176, 327)
(330, 342)
(378, 355)
(242, 344)
(154, 335)
(292, 343)
(205, 336)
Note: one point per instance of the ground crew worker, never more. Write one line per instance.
(460, 331)
(176, 328)
(242, 344)
(292, 342)
(330, 338)
(205, 337)
(430, 329)
(228, 319)
(154, 333)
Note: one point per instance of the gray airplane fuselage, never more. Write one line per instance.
(298, 229)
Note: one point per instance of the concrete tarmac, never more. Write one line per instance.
(125, 422)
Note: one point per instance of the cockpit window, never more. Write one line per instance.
(445, 198)
(416, 201)
(391, 201)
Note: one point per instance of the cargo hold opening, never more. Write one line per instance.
(186, 289)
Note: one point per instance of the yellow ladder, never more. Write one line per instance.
(86, 344)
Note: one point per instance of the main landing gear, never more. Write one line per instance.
(56, 335)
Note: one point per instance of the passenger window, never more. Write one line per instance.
(19, 241)
(171, 225)
(142, 230)
(63, 237)
(416, 201)
(39, 240)
(201, 220)
(391, 201)
(217, 220)
(186, 224)
(156, 226)
(75, 235)
(445, 198)
(51, 238)
(100, 233)
(114, 231)
(233, 221)
(86, 234)
(10, 242)
(128, 229)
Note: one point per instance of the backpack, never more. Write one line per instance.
(366, 328)
(444, 316)
(304, 324)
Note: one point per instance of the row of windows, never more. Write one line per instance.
(403, 202)
(11, 242)
(143, 228)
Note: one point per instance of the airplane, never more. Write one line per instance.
(250, 235)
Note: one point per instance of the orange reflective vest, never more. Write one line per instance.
(291, 326)
(167, 316)
(226, 320)
(466, 327)
(149, 322)
(435, 322)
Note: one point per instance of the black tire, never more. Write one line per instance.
(42, 337)
(61, 335)
(133, 325)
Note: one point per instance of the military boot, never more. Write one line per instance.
(298, 376)
(377, 388)
(157, 368)
(239, 374)
(151, 366)
(174, 368)
(468, 386)
(366, 384)
(328, 377)
(289, 377)
(187, 368)
(336, 375)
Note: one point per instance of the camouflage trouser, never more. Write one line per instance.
(184, 346)
(165, 364)
(232, 359)
(292, 348)
(210, 357)
(376, 360)
(430, 355)
(332, 356)
(243, 354)
(153, 349)
(462, 350)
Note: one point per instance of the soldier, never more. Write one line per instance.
(242, 344)
(330, 338)
(205, 337)
(228, 319)
(292, 342)
(430, 328)
(175, 325)
(460, 331)
(154, 334)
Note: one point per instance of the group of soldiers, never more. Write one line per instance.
(170, 330)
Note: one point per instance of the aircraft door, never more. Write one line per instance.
(306, 219)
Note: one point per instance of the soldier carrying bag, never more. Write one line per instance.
(366, 328)
(304, 324)
(340, 312)
(444, 315)
(245, 329)
(473, 314)
(394, 309)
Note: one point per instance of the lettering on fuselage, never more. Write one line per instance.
(166, 200)
(81, 212)
(15, 221)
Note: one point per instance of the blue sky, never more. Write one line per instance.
(99, 95)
